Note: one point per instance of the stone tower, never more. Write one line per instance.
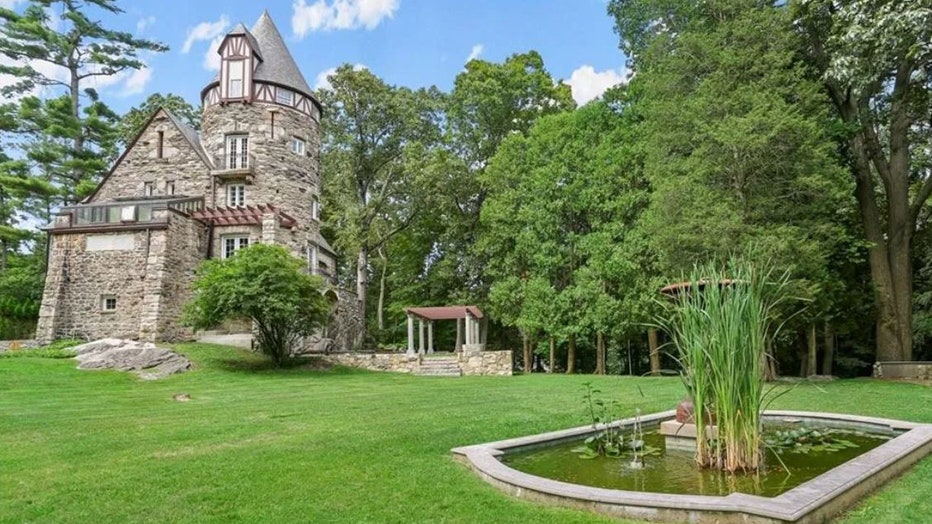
(261, 128)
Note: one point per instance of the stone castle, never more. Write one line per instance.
(122, 262)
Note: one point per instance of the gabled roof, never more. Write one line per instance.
(240, 29)
(189, 135)
(241, 216)
(444, 312)
(323, 244)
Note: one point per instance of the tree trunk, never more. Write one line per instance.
(553, 353)
(654, 352)
(802, 354)
(571, 355)
(380, 311)
(829, 352)
(362, 283)
(888, 229)
(528, 355)
(78, 142)
(599, 353)
(812, 351)
(767, 362)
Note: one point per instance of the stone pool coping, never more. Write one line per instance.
(813, 501)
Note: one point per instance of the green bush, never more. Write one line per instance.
(269, 286)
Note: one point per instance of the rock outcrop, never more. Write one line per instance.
(143, 358)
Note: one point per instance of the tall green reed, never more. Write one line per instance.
(719, 328)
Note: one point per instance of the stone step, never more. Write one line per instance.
(439, 367)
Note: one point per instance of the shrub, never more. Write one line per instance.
(267, 285)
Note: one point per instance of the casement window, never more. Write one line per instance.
(148, 188)
(108, 303)
(237, 151)
(312, 258)
(298, 146)
(315, 207)
(170, 187)
(236, 195)
(232, 244)
(235, 73)
(284, 96)
(160, 146)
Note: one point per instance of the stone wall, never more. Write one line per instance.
(78, 280)
(396, 362)
(150, 281)
(185, 249)
(180, 164)
(29, 343)
(916, 370)
(488, 363)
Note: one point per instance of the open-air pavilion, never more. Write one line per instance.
(468, 327)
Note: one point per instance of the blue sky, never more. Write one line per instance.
(416, 43)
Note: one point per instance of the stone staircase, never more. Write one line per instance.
(439, 367)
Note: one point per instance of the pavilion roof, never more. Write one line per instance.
(444, 312)
(679, 287)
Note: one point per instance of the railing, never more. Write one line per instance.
(122, 213)
(234, 163)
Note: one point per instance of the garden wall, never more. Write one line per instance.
(904, 369)
(18, 344)
(497, 363)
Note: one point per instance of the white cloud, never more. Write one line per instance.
(587, 83)
(340, 14)
(143, 23)
(212, 57)
(322, 80)
(205, 31)
(476, 51)
(137, 81)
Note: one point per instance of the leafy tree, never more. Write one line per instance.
(374, 148)
(874, 59)
(80, 49)
(735, 142)
(489, 102)
(560, 202)
(131, 123)
(266, 284)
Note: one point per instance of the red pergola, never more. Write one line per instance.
(468, 315)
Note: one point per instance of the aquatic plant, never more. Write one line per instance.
(719, 328)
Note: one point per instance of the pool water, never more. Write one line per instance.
(675, 471)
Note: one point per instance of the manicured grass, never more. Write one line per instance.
(256, 444)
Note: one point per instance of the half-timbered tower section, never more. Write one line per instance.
(121, 263)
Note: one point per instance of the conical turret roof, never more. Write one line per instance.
(277, 65)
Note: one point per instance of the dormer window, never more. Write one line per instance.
(235, 70)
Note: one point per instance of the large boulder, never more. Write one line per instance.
(144, 358)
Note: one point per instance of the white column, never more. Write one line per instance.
(468, 329)
(430, 336)
(410, 335)
(420, 336)
(476, 339)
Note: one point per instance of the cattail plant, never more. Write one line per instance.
(719, 328)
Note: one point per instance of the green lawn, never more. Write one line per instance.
(261, 445)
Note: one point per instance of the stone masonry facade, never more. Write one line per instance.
(122, 262)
